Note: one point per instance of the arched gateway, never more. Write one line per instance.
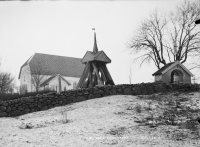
(176, 76)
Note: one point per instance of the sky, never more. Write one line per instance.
(65, 28)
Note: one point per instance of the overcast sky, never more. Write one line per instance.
(65, 28)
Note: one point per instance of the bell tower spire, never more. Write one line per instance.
(96, 71)
(95, 48)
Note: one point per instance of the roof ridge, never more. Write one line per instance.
(25, 63)
(162, 68)
(57, 55)
(165, 67)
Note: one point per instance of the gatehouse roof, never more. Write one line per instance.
(168, 66)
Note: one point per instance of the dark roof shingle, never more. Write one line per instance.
(99, 56)
(53, 65)
(162, 69)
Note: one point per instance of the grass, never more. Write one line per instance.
(120, 131)
(171, 111)
(45, 123)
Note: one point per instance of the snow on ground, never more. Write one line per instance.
(102, 122)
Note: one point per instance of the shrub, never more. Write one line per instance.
(138, 108)
(149, 108)
(64, 118)
(170, 117)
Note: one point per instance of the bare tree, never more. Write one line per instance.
(38, 73)
(195, 65)
(6, 81)
(170, 37)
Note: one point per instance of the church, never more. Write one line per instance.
(50, 72)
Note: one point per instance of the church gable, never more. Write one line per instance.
(177, 65)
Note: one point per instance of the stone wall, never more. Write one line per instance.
(46, 101)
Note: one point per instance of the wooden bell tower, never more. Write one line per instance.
(95, 72)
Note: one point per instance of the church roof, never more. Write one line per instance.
(53, 65)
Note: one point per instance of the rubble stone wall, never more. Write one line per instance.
(26, 105)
